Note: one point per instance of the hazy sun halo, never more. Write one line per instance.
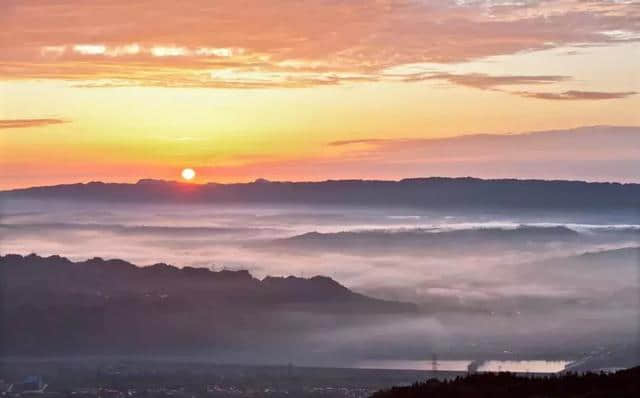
(188, 174)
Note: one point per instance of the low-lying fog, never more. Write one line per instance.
(499, 285)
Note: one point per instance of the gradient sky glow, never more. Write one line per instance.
(121, 90)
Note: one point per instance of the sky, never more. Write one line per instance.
(308, 90)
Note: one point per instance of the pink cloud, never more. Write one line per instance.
(293, 43)
(23, 123)
(483, 81)
(578, 95)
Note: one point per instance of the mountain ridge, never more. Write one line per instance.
(111, 307)
(155, 273)
(435, 192)
(159, 181)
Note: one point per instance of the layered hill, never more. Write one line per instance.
(51, 305)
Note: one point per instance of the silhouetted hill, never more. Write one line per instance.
(628, 257)
(416, 192)
(423, 241)
(623, 384)
(54, 305)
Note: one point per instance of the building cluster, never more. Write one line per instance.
(35, 387)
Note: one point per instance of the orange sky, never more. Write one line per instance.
(117, 91)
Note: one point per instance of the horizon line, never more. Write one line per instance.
(261, 180)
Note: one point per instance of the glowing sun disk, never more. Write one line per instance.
(188, 174)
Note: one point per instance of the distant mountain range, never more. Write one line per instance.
(426, 241)
(452, 242)
(433, 192)
(51, 305)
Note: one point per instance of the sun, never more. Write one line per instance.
(188, 174)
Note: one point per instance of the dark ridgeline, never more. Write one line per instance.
(417, 192)
(426, 241)
(623, 384)
(55, 306)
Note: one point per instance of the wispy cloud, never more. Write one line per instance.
(593, 153)
(23, 123)
(577, 95)
(238, 45)
(485, 81)
(352, 142)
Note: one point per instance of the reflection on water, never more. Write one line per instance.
(400, 364)
(525, 366)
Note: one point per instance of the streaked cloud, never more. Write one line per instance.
(352, 142)
(23, 123)
(498, 83)
(128, 49)
(218, 52)
(605, 153)
(160, 51)
(483, 81)
(89, 49)
(593, 140)
(578, 95)
(53, 50)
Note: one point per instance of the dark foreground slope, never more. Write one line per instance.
(622, 384)
(416, 192)
(55, 306)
